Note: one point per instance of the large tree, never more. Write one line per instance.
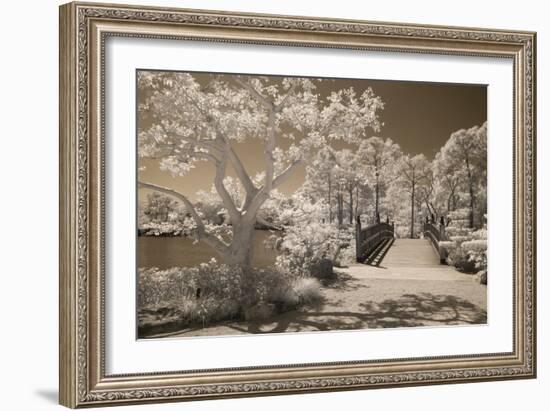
(190, 121)
(414, 174)
(321, 183)
(379, 157)
(347, 174)
(466, 149)
(448, 177)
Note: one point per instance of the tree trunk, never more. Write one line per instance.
(329, 199)
(412, 211)
(472, 202)
(340, 201)
(356, 200)
(241, 250)
(350, 190)
(377, 193)
(471, 192)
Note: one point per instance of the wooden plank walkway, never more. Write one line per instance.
(411, 252)
(409, 259)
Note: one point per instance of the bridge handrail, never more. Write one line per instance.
(436, 233)
(368, 238)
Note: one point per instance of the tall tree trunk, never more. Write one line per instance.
(412, 210)
(329, 199)
(377, 194)
(356, 199)
(340, 201)
(350, 192)
(471, 192)
(241, 250)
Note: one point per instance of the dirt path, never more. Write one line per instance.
(392, 295)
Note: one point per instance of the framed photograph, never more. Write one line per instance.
(259, 204)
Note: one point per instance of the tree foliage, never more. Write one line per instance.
(192, 122)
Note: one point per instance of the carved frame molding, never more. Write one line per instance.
(83, 30)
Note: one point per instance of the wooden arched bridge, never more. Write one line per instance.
(377, 243)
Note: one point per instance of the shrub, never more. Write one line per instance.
(460, 217)
(447, 245)
(217, 292)
(265, 285)
(347, 254)
(459, 258)
(459, 239)
(286, 299)
(480, 234)
(453, 231)
(468, 252)
(195, 295)
(476, 250)
(305, 245)
(308, 290)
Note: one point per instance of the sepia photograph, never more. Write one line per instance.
(275, 204)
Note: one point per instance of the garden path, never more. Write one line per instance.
(410, 288)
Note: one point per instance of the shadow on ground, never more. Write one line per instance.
(50, 395)
(343, 282)
(409, 310)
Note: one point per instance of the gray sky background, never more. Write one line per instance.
(418, 116)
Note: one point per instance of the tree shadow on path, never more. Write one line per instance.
(343, 282)
(409, 310)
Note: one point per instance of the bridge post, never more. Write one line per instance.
(358, 239)
(442, 235)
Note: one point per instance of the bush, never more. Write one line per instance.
(476, 250)
(460, 218)
(468, 252)
(192, 295)
(347, 254)
(453, 231)
(459, 258)
(305, 245)
(480, 234)
(213, 292)
(308, 290)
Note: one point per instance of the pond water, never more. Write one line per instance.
(167, 252)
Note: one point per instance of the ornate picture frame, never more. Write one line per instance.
(84, 29)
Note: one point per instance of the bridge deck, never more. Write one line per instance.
(409, 259)
(411, 252)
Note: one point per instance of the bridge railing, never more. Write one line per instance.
(435, 232)
(368, 238)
